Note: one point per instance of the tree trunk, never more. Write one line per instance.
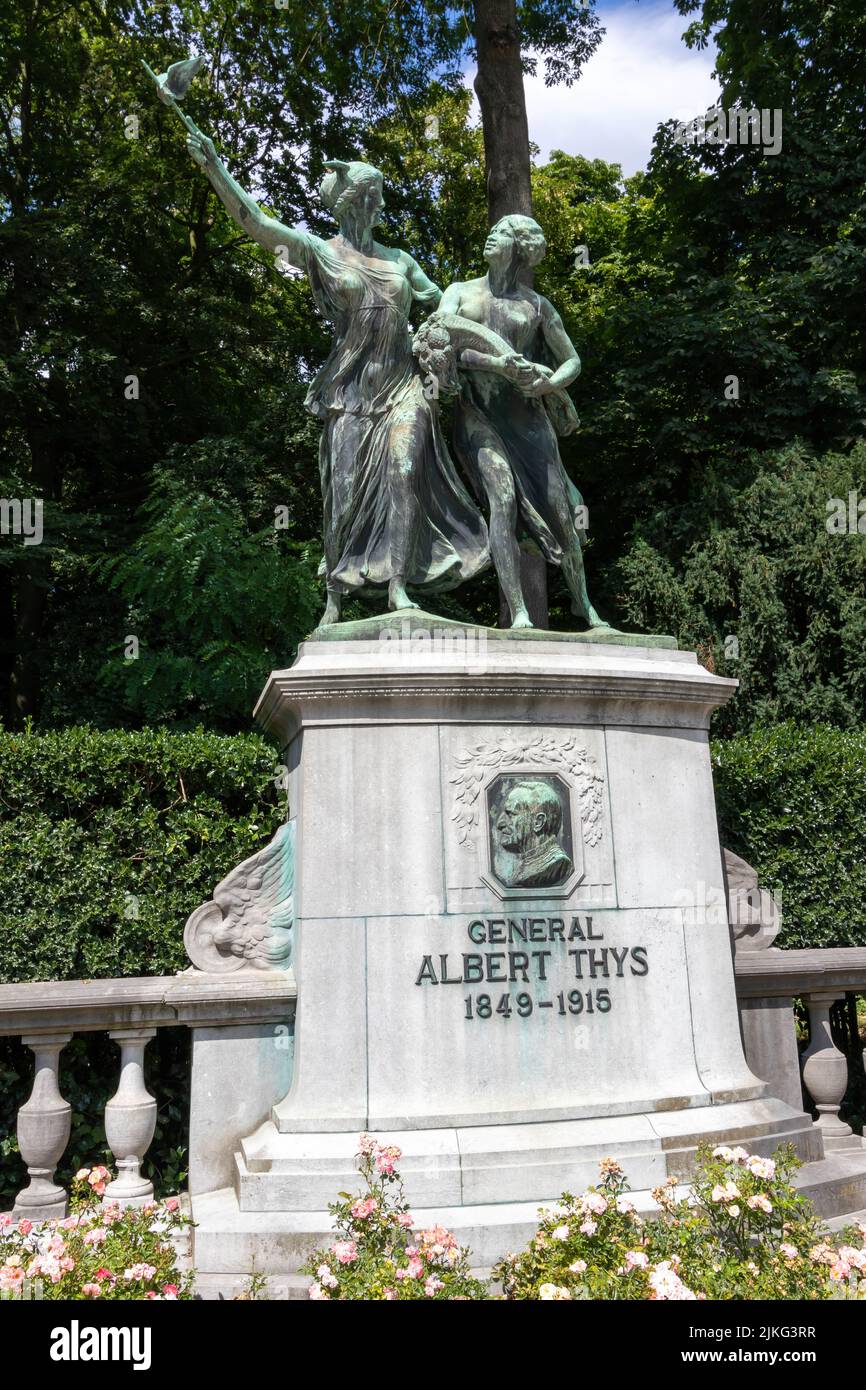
(499, 88)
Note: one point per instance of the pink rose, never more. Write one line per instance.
(406, 1219)
(760, 1203)
(387, 1157)
(25, 1226)
(364, 1207)
(91, 1290)
(346, 1251)
(172, 1204)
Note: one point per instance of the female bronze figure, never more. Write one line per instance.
(395, 512)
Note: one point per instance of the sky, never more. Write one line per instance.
(641, 75)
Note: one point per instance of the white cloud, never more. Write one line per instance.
(641, 75)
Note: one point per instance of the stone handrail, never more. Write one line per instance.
(801, 972)
(47, 1014)
(767, 983)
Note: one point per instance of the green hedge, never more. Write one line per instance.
(109, 840)
(96, 827)
(792, 802)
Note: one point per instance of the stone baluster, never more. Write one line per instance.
(825, 1072)
(44, 1124)
(130, 1120)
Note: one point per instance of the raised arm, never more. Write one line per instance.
(267, 231)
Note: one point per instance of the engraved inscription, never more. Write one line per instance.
(550, 964)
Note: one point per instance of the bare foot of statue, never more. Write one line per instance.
(332, 611)
(521, 619)
(397, 596)
(590, 616)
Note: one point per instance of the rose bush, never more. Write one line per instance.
(102, 1251)
(377, 1254)
(742, 1232)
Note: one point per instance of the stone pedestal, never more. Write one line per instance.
(507, 943)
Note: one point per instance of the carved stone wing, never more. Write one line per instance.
(248, 924)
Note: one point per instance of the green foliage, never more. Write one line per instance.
(213, 607)
(721, 263)
(792, 802)
(109, 840)
(767, 594)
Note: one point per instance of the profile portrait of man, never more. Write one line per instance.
(529, 827)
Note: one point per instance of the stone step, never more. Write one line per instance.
(480, 1165)
(835, 1184)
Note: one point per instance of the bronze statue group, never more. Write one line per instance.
(397, 515)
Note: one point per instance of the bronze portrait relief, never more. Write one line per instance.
(530, 831)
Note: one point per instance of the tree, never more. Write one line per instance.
(507, 36)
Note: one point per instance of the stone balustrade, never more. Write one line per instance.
(47, 1015)
(768, 981)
